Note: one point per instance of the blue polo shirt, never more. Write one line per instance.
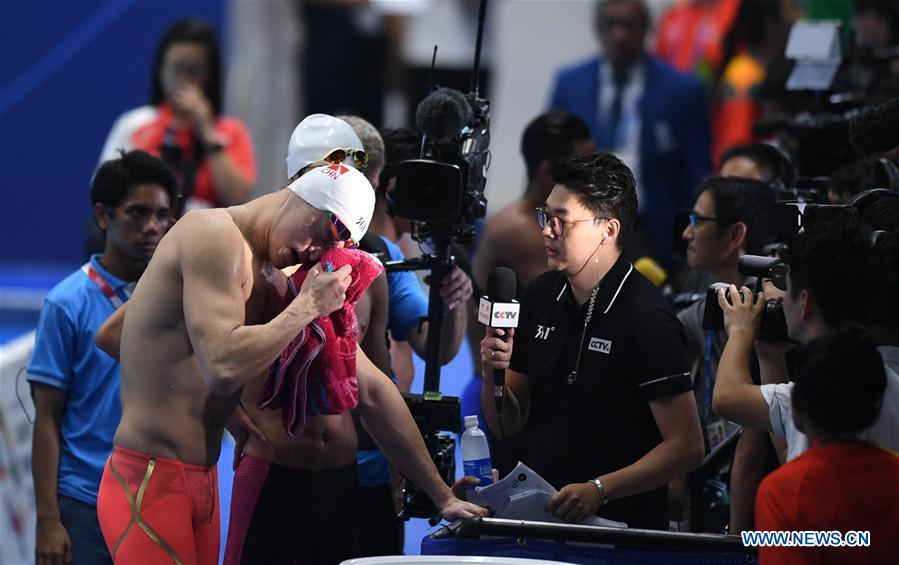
(66, 357)
(408, 304)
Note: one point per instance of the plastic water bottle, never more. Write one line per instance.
(476, 454)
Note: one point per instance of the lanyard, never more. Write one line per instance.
(572, 376)
(709, 335)
(107, 290)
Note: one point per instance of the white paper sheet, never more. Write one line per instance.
(522, 495)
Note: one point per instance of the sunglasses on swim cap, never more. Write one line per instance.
(337, 156)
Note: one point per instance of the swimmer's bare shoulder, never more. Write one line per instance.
(208, 242)
(214, 263)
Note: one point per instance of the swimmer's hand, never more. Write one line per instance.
(460, 485)
(322, 292)
(455, 509)
(241, 427)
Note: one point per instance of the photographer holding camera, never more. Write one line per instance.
(728, 220)
(601, 361)
(829, 284)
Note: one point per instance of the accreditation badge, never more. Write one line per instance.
(716, 433)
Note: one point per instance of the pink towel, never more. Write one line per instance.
(317, 370)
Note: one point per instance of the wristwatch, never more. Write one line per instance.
(603, 499)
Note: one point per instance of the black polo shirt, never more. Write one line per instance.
(634, 351)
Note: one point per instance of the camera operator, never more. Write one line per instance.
(409, 305)
(840, 484)
(856, 177)
(378, 532)
(760, 161)
(829, 284)
(601, 360)
(729, 220)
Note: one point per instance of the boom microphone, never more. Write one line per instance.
(876, 130)
(443, 114)
(500, 310)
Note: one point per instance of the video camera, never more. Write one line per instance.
(787, 219)
(443, 193)
(821, 88)
(774, 324)
(432, 416)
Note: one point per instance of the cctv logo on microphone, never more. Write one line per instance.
(498, 314)
(505, 314)
(600, 345)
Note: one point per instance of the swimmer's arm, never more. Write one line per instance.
(215, 272)
(109, 336)
(393, 428)
(374, 342)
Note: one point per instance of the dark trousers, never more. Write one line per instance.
(378, 530)
(298, 516)
(80, 521)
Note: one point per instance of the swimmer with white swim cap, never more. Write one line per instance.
(197, 328)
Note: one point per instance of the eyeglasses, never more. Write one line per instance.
(557, 224)
(340, 233)
(696, 219)
(337, 156)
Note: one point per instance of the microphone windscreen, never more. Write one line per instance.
(651, 270)
(876, 130)
(502, 285)
(443, 114)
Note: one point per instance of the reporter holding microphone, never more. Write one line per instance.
(596, 372)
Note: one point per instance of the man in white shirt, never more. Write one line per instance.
(829, 285)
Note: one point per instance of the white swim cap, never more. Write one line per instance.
(315, 137)
(341, 190)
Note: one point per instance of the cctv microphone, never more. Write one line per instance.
(499, 309)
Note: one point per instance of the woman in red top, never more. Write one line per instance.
(211, 154)
(840, 484)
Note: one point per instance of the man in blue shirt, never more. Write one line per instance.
(75, 385)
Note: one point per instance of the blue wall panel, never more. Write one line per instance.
(67, 70)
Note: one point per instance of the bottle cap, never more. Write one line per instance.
(471, 421)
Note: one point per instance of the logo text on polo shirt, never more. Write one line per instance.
(600, 345)
(543, 332)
